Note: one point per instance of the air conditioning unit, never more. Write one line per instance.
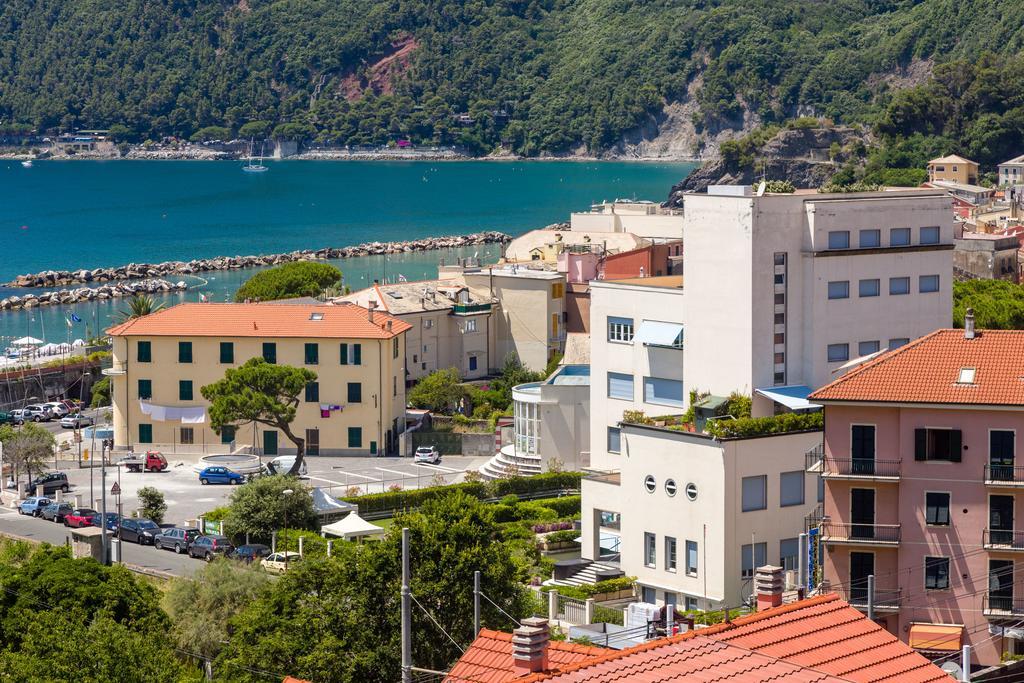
(641, 614)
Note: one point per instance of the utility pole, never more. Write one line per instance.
(871, 597)
(476, 604)
(103, 509)
(965, 664)
(406, 611)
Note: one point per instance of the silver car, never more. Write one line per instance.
(76, 421)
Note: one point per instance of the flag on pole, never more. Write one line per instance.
(68, 321)
(75, 318)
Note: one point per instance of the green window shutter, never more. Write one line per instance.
(184, 352)
(373, 448)
(227, 352)
(144, 352)
(227, 434)
(357, 354)
(355, 392)
(355, 437)
(312, 392)
(145, 433)
(145, 388)
(312, 354)
(270, 352)
(185, 390)
(344, 354)
(394, 347)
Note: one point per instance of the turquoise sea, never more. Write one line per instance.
(85, 214)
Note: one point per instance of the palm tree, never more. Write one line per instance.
(139, 306)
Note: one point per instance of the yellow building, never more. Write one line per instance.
(356, 406)
(954, 169)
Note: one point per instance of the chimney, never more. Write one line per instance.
(388, 326)
(370, 308)
(530, 646)
(969, 324)
(768, 584)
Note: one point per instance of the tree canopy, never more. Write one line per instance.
(28, 447)
(261, 506)
(997, 304)
(289, 281)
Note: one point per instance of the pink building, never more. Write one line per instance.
(922, 490)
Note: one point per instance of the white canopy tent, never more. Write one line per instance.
(27, 341)
(352, 527)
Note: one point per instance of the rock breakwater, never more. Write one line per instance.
(84, 294)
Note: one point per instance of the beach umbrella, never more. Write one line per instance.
(47, 349)
(27, 341)
(77, 343)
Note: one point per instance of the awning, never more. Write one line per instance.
(352, 526)
(936, 637)
(793, 397)
(326, 504)
(655, 333)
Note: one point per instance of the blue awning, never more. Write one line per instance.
(793, 397)
(655, 333)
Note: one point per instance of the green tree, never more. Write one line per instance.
(259, 392)
(439, 392)
(262, 506)
(289, 281)
(211, 133)
(152, 504)
(28, 447)
(100, 393)
(138, 306)
(997, 304)
(255, 129)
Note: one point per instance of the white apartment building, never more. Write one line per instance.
(1011, 172)
(642, 218)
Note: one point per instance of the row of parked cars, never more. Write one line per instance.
(68, 412)
(147, 532)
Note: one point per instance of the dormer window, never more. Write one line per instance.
(966, 376)
(316, 316)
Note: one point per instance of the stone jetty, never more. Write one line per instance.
(136, 271)
(83, 294)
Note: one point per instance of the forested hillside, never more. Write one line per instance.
(535, 75)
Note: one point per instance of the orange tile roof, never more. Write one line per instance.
(489, 658)
(344, 321)
(927, 371)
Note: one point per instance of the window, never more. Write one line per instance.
(779, 378)
(620, 329)
(780, 319)
(620, 386)
(145, 388)
(691, 558)
(557, 290)
(472, 363)
(780, 358)
(780, 258)
(898, 342)
(691, 604)
(184, 352)
(670, 554)
(312, 354)
(899, 285)
(428, 323)
(470, 326)
(650, 550)
(928, 283)
(866, 348)
(936, 573)
(394, 347)
(665, 392)
(227, 434)
(839, 289)
(187, 437)
(144, 352)
(780, 278)
(614, 440)
(185, 390)
(1000, 447)
(780, 299)
(355, 437)
(145, 433)
(753, 556)
(838, 353)
(270, 352)
(789, 553)
(691, 491)
(966, 375)
(650, 483)
(869, 239)
(862, 443)
(312, 442)
(780, 338)
(351, 354)
(648, 594)
(938, 444)
(355, 392)
(227, 352)
(312, 392)
(755, 493)
(791, 488)
(870, 287)
(930, 235)
(936, 508)
(821, 489)
(670, 487)
(839, 239)
(899, 237)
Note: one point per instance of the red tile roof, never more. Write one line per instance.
(927, 371)
(489, 658)
(345, 321)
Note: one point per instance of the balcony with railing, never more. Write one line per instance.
(861, 469)
(813, 459)
(471, 308)
(1004, 476)
(998, 605)
(1007, 540)
(613, 478)
(886, 599)
(860, 534)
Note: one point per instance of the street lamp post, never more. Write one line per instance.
(286, 492)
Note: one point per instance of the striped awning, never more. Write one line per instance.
(936, 637)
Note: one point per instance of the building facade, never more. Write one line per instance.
(985, 256)
(644, 219)
(954, 169)
(356, 406)
(1011, 172)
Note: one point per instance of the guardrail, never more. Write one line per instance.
(1004, 474)
(1006, 605)
(881, 534)
(860, 467)
(1003, 539)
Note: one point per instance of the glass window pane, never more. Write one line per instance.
(755, 493)
(620, 386)
(869, 287)
(899, 237)
(614, 440)
(928, 283)
(667, 392)
(865, 348)
(930, 235)
(838, 353)
(791, 488)
(870, 239)
(839, 289)
(899, 285)
(839, 239)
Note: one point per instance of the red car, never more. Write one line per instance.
(80, 517)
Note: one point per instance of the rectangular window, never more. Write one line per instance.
(312, 353)
(620, 329)
(227, 434)
(472, 363)
(428, 323)
(312, 392)
(355, 392)
(620, 386)
(928, 283)
(691, 558)
(312, 442)
(692, 604)
(930, 235)
(351, 354)
(188, 436)
(780, 299)
(470, 326)
(184, 352)
(936, 573)
(185, 390)
(866, 348)
(755, 493)
(870, 287)
(665, 392)
(938, 444)
(614, 440)
(862, 444)
(394, 385)
(839, 289)
(869, 239)
(789, 553)
(355, 437)
(650, 550)
(839, 239)
(898, 342)
(557, 290)
(270, 352)
(780, 338)
(394, 347)
(648, 595)
(780, 358)
(899, 285)
(145, 388)
(752, 557)
(1001, 448)
(144, 352)
(821, 489)
(936, 508)
(780, 279)
(899, 237)
(227, 352)
(791, 488)
(838, 353)
(670, 554)
(779, 258)
(779, 378)
(145, 433)
(780, 319)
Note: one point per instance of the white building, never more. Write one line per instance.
(642, 218)
(1012, 172)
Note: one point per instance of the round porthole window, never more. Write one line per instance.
(650, 483)
(670, 487)
(691, 491)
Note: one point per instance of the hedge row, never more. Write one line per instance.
(566, 506)
(590, 589)
(761, 426)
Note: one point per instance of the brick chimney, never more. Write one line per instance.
(530, 646)
(370, 307)
(768, 585)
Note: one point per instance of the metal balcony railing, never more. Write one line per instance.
(604, 477)
(860, 467)
(1003, 539)
(999, 604)
(813, 458)
(872, 534)
(1004, 475)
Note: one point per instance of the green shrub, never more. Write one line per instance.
(591, 589)
(313, 544)
(760, 426)
(561, 536)
(607, 615)
(566, 506)
(217, 514)
(289, 281)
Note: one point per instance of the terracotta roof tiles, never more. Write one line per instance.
(489, 658)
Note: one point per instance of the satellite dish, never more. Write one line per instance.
(761, 188)
(953, 669)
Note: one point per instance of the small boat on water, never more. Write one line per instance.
(27, 163)
(255, 167)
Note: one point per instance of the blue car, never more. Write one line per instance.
(113, 521)
(220, 475)
(33, 506)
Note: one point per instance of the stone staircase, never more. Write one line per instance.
(506, 463)
(586, 575)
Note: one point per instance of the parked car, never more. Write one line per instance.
(209, 547)
(113, 521)
(277, 563)
(76, 421)
(80, 517)
(73, 405)
(33, 506)
(141, 531)
(57, 408)
(51, 483)
(152, 461)
(9, 418)
(55, 512)
(283, 463)
(220, 475)
(36, 413)
(250, 552)
(426, 454)
(177, 539)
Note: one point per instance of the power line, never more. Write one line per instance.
(496, 606)
(440, 628)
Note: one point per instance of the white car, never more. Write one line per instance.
(277, 563)
(427, 454)
(76, 421)
(283, 463)
(57, 408)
